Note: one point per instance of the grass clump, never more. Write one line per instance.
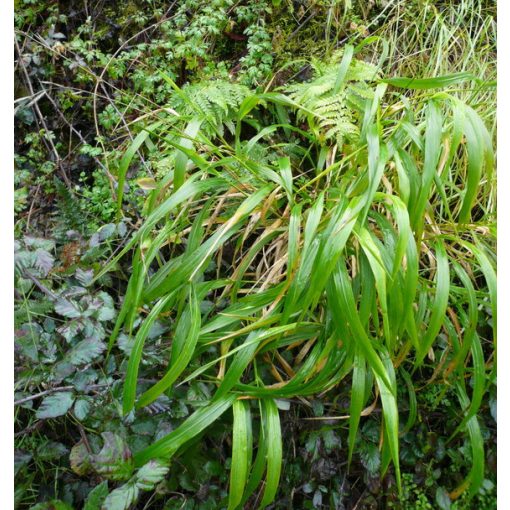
(345, 262)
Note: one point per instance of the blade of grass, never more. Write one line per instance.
(191, 427)
(273, 434)
(185, 340)
(129, 391)
(438, 82)
(241, 453)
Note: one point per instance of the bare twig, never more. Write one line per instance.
(31, 210)
(84, 437)
(291, 36)
(57, 390)
(40, 286)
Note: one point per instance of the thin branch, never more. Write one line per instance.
(56, 390)
(40, 286)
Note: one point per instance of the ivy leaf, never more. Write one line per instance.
(50, 450)
(102, 234)
(61, 370)
(121, 498)
(85, 277)
(107, 310)
(70, 330)
(442, 499)
(370, 457)
(85, 351)
(150, 474)
(81, 408)
(317, 499)
(21, 459)
(55, 405)
(67, 309)
(96, 497)
(39, 243)
(80, 459)
(44, 261)
(331, 440)
(114, 461)
(125, 343)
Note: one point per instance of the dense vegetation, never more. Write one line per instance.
(255, 254)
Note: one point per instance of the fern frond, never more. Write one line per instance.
(334, 112)
(214, 101)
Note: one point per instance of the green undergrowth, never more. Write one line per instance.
(269, 288)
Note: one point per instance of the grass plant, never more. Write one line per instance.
(329, 260)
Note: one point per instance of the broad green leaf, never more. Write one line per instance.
(81, 408)
(181, 159)
(129, 394)
(185, 340)
(342, 304)
(96, 497)
(438, 307)
(55, 405)
(151, 474)
(126, 161)
(241, 453)
(122, 498)
(475, 476)
(390, 415)
(343, 68)
(196, 423)
(357, 401)
(413, 406)
(189, 189)
(85, 351)
(433, 134)
(286, 178)
(259, 465)
(114, 461)
(273, 437)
